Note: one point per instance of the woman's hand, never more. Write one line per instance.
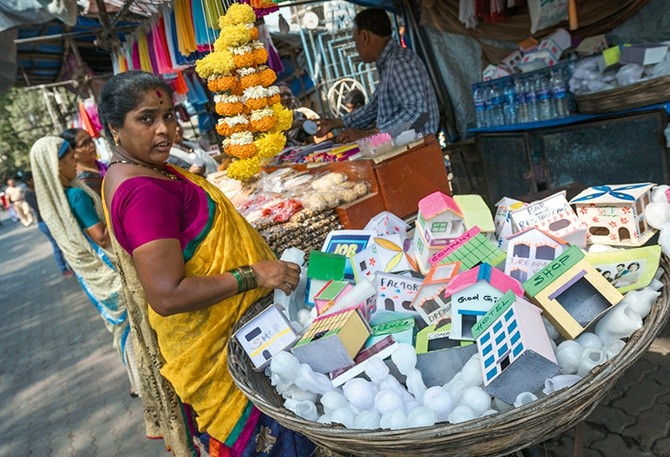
(277, 274)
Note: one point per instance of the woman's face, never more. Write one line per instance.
(67, 165)
(84, 149)
(148, 130)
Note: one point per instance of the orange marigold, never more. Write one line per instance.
(254, 33)
(244, 60)
(263, 124)
(256, 103)
(243, 151)
(267, 77)
(222, 84)
(260, 56)
(229, 109)
(253, 79)
(276, 98)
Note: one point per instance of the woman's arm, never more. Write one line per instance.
(160, 267)
(99, 234)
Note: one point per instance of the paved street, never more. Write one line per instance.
(64, 392)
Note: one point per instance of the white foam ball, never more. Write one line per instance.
(477, 399)
(387, 401)
(360, 393)
(461, 413)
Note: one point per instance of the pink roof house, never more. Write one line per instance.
(438, 222)
(473, 293)
(530, 251)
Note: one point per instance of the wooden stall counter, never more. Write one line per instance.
(405, 177)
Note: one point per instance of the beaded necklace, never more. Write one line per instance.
(158, 170)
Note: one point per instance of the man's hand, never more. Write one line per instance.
(351, 135)
(326, 125)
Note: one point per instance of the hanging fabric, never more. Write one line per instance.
(92, 111)
(152, 53)
(145, 63)
(199, 90)
(85, 121)
(180, 84)
(274, 61)
(160, 47)
(184, 27)
(212, 13)
(136, 55)
(203, 34)
(170, 37)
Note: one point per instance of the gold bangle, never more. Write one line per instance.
(249, 277)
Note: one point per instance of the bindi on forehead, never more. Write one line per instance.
(159, 94)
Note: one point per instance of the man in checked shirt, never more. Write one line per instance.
(404, 98)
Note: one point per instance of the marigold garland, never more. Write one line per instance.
(270, 144)
(215, 63)
(283, 116)
(254, 119)
(232, 36)
(241, 151)
(260, 56)
(244, 169)
(238, 14)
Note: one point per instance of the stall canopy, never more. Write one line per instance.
(47, 41)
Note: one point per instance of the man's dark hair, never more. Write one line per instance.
(122, 93)
(374, 20)
(355, 97)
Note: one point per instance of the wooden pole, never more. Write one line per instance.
(572, 14)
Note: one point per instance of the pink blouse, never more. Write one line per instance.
(145, 209)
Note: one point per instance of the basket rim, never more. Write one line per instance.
(622, 90)
(592, 388)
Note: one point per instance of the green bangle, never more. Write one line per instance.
(240, 280)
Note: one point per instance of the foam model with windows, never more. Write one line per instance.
(572, 293)
(265, 335)
(332, 341)
(476, 213)
(439, 221)
(530, 251)
(553, 215)
(384, 254)
(514, 348)
(614, 214)
(438, 357)
(473, 293)
(471, 249)
(430, 302)
(395, 294)
(503, 221)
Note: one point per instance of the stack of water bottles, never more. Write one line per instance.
(528, 97)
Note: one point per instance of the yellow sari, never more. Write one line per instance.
(192, 355)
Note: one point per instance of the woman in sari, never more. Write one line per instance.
(73, 213)
(193, 266)
(90, 170)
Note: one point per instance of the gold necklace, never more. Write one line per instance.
(158, 170)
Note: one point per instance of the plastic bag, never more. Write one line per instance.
(545, 13)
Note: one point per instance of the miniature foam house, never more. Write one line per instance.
(331, 342)
(438, 357)
(394, 297)
(329, 294)
(615, 214)
(476, 213)
(530, 251)
(473, 293)
(439, 221)
(503, 221)
(430, 302)
(471, 249)
(553, 215)
(514, 348)
(265, 335)
(571, 292)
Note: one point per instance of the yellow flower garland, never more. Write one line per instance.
(238, 14)
(245, 169)
(232, 36)
(270, 144)
(284, 118)
(215, 63)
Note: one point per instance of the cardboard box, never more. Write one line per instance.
(591, 45)
(556, 43)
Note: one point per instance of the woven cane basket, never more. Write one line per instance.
(494, 435)
(649, 92)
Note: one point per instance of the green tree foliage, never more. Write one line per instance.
(23, 119)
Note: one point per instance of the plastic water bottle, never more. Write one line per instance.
(510, 103)
(496, 116)
(479, 96)
(545, 107)
(559, 94)
(531, 99)
(522, 104)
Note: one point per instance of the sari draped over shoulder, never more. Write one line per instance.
(189, 349)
